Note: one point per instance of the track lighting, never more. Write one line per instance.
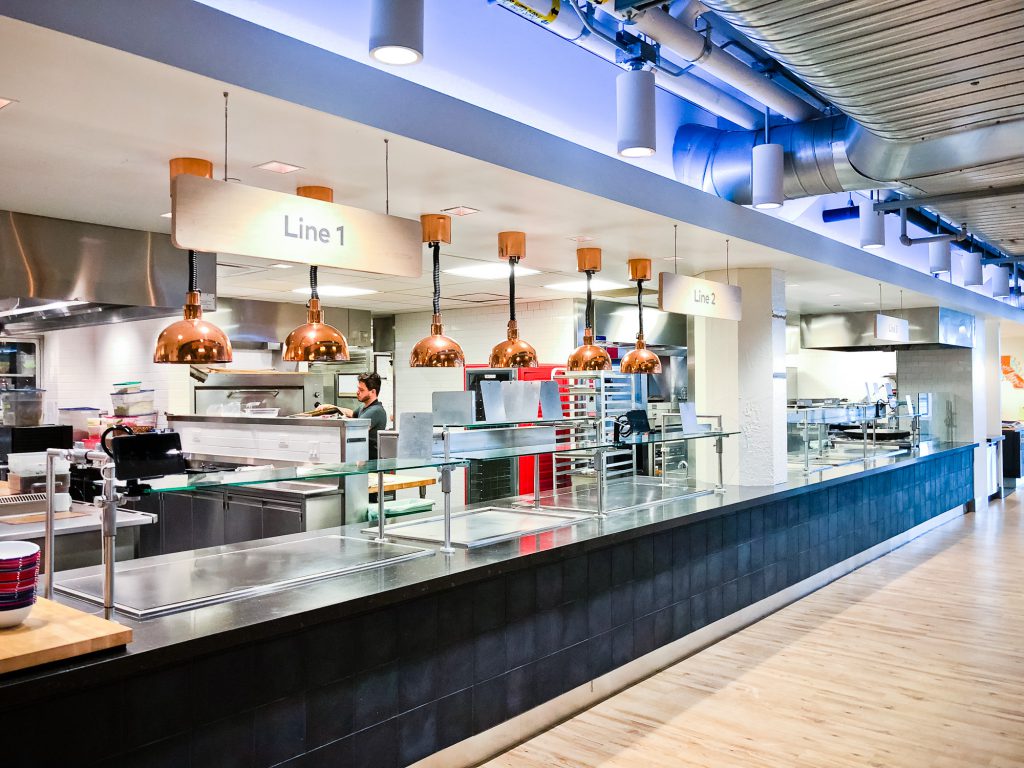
(513, 352)
(436, 350)
(872, 225)
(640, 359)
(940, 257)
(635, 113)
(588, 356)
(396, 31)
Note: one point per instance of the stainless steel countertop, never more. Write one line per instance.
(277, 421)
(125, 519)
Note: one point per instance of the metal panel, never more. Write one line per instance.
(929, 327)
(210, 215)
(617, 323)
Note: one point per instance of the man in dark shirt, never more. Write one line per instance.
(370, 408)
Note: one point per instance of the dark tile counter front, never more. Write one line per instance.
(453, 658)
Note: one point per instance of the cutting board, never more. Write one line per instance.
(38, 517)
(53, 632)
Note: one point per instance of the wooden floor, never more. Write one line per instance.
(915, 660)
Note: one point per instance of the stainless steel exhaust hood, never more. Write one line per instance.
(67, 274)
(930, 328)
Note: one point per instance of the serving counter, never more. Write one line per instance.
(384, 666)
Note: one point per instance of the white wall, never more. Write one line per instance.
(824, 373)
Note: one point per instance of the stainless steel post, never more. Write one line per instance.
(599, 471)
(536, 481)
(52, 454)
(446, 489)
(807, 447)
(108, 529)
(380, 507)
(721, 475)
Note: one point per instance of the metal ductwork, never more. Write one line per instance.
(67, 274)
(930, 328)
(829, 155)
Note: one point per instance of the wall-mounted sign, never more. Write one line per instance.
(222, 217)
(693, 296)
(888, 328)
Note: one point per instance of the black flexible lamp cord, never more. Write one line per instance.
(590, 302)
(193, 279)
(436, 246)
(313, 292)
(512, 288)
(640, 304)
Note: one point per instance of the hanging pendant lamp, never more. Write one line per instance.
(192, 340)
(641, 359)
(588, 356)
(513, 352)
(436, 350)
(315, 341)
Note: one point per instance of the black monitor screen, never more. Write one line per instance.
(153, 454)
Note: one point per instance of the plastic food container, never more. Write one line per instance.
(132, 403)
(143, 422)
(78, 419)
(22, 407)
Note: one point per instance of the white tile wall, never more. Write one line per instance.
(948, 374)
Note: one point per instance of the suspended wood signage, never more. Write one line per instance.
(223, 217)
(693, 296)
(888, 328)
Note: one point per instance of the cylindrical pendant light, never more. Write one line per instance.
(436, 350)
(766, 171)
(940, 257)
(588, 356)
(973, 274)
(640, 359)
(513, 352)
(872, 225)
(635, 115)
(396, 31)
(192, 340)
(326, 194)
(1000, 282)
(192, 166)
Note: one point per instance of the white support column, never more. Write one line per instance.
(740, 372)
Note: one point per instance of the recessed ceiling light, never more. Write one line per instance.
(490, 270)
(834, 295)
(281, 266)
(276, 166)
(793, 285)
(581, 238)
(461, 210)
(167, 215)
(336, 291)
(6, 102)
(580, 286)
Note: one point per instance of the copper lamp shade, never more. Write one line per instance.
(436, 350)
(640, 359)
(588, 356)
(315, 341)
(192, 340)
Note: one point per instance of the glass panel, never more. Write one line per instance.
(586, 445)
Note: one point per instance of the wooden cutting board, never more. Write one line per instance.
(53, 632)
(38, 517)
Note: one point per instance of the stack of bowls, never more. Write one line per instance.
(19, 575)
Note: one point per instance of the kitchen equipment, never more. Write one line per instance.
(290, 393)
(22, 407)
(78, 420)
(57, 632)
(149, 455)
(265, 412)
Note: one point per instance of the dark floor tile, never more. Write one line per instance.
(662, 596)
(490, 657)
(680, 581)
(454, 616)
(375, 747)
(417, 681)
(222, 682)
(550, 677)
(730, 597)
(376, 696)
(226, 743)
(599, 569)
(280, 668)
(681, 619)
(418, 626)
(698, 541)
(330, 651)
(521, 594)
(455, 668)
(622, 645)
(577, 665)
(643, 635)
(599, 613)
(330, 711)
(489, 605)
(622, 564)
(599, 655)
(377, 638)
(714, 568)
(521, 690)
(167, 753)
(622, 604)
(337, 753)
(643, 558)
(548, 632)
(417, 734)
(574, 578)
(489, 703)
(549, 586)
(520, 642)
(165, 691)
(280, 731)
(663, 627)
(698, 575)
(699, 610)
(454, 718)
(643, 597)
(574, 623)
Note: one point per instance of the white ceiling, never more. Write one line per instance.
(91, 142)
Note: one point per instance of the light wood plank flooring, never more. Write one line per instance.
(916, 659)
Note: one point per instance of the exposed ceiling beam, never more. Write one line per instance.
(953, 197)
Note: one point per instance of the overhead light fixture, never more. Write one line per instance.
(436, 350)
(282, 266)
(337, 291)
(834, 295)
(192, 340)
(190, 166)
(872, 225)
(634, 113)
(276, 166)
(53, 305)
(513, 352)
(588, 356)
(396, 31)
(973, 273)
(7, 102)
(766, 172)
(460, 210)
(581, 238)
(315, 341)
(582, 286)
(940, 257)
(640, 359)
(489, 270)
(1000, 282)
(167, 215)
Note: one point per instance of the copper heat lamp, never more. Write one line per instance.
(589, 356)
(192, 340)
(315, 341)
(436, 350)
(513, 352)
(641, 359)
